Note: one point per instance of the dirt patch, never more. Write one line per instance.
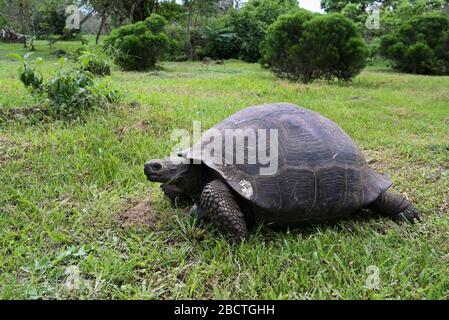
(5, 144)
(143, 126)
(142, 215)
(405, 113)
(5, 141)
(441, 96)
(157, 125)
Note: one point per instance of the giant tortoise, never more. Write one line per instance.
(321, 177)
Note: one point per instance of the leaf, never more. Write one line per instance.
(16, 56)
(61, 62)
(27, 55)
(38, 61)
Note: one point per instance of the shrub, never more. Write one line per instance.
(305, 46)
(139, 46)
(71, 91)
(96, 64)
(29, 74)
(420, 45)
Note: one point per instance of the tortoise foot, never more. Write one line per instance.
(197, 213)
(409, 214)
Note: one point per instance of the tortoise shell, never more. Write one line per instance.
(321, 173)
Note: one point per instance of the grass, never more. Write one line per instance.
(65, 184)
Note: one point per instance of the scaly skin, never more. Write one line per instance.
(395, 206)
(223, 210)
(177, 198)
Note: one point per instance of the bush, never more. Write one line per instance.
(139, 46)
(29, 74)
(70, 92)
(420, 45)
(75, 91)
(98, 65)
(306, 46)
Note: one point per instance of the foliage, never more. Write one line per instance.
(177, 49)
(339, 5)
(94, 63)
(28, 72)
(356, 13)
(139, 46)
(251, 22)
(220, 40)
(3, 19)
(70, 91)
(171, 11)
(75, 91)
(419, 45)
(232, 33)
(305, 46)
(393, 18)
(49, 19)
(249, 34)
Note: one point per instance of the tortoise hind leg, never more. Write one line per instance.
(395, 206)
(223, 210)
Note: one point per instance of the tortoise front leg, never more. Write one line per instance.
(197, 212)
(223, 210)
(177, 198)
(395, 206)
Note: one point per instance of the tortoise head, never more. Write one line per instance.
(164, 170)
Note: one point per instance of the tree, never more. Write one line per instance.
(251, 22)
(419, 45)
(399, 11)
(3, 20)
(196, 8)
(50, 18)
(138, 46)
(338, 5)
(171, 11)
(305, 46)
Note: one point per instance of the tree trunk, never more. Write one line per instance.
(131, 13)
(189, 27)
(140, 15)
(86, 17)
(103, 19)
(22, 20)
(28, 18)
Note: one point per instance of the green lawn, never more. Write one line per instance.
(64, 186)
